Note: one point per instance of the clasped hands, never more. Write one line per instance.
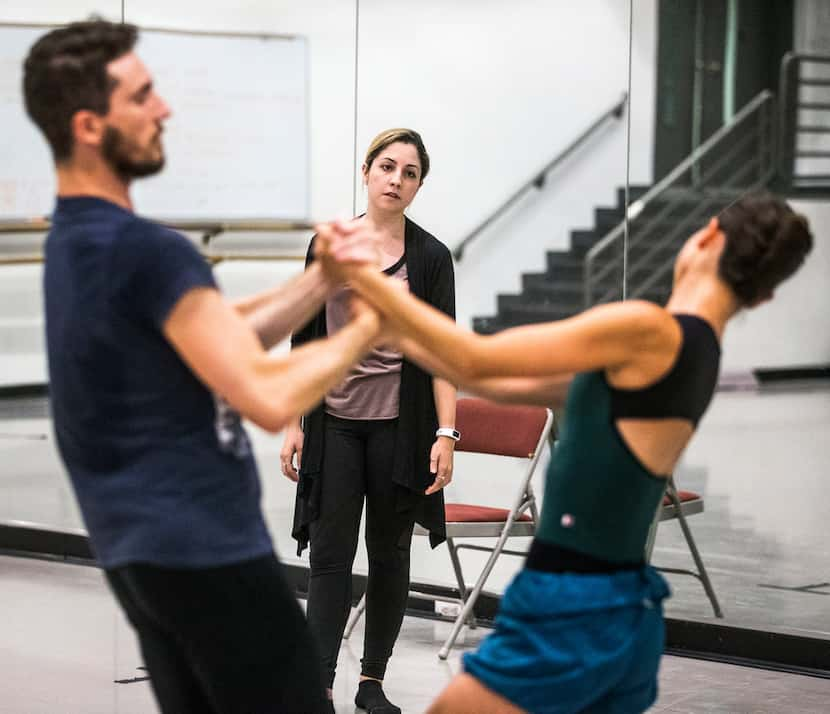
(343, 248)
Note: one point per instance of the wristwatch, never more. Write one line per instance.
(453, 434)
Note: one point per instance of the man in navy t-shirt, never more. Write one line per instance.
(149, 371)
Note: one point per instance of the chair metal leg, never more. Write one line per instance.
(690, 541)
(467, 609)
(652, 532)
(357, 611)
(459, 576)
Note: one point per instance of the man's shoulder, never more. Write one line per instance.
(147, 235)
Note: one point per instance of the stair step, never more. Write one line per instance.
(608, 214)
(558, 292)
(544, 283)
(634, 194)
(514, 306)
(488, 325)
(562, 265)
(583, 240)
(540, 289)
(523, 315)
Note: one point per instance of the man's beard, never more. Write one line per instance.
(116, 151)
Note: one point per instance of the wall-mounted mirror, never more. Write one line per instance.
(262, 125)
(526, 129)
(740, 104)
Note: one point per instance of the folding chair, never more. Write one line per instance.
(680, 504)
(500, 430)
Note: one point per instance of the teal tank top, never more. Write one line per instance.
(599, 499)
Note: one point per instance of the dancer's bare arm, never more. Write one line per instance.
(541, 391)
(225, 353)
(274, 314)
(621, 337)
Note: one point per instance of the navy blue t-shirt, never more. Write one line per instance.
(161, 467)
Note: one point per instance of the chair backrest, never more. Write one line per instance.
(500, 429)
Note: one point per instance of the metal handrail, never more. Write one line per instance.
(212, 258)
(616, 234)
(538, 179)
(208, 229)
(684, 225)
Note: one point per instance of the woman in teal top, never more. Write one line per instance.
(580, 628)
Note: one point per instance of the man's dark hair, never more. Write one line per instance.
(766, 242)
(66, 71)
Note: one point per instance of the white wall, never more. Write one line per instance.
(496, 94)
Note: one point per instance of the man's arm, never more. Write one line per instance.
(220, 347)
(276, 313)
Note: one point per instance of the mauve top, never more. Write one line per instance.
(372, 388)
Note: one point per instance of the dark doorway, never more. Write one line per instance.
(713, 56)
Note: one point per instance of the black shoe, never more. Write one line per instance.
(371, 698)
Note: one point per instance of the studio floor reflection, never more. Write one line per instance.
(759, 460)
(67, 648)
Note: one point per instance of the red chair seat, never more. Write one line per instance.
(684, 496)
(465, 513)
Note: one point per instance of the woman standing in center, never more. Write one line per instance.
(387, 434)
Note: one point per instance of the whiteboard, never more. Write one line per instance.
(237, 142)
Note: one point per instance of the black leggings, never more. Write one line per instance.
(358, 462)
(228, 639)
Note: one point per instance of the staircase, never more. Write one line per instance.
(737, 159)
(559, 291)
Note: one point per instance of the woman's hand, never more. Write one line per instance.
(293, 444)
(440, 463)
(341, 246)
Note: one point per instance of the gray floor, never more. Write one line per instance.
(760, 460)
(64, 643)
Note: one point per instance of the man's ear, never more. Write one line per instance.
(87, 128)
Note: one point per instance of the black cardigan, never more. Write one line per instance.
(431, 278)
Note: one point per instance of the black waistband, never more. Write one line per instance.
(549, 558)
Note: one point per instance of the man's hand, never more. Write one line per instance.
(293, 444)
(440, 463)
(342, 245)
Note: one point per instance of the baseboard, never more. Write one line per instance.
(20, 391)
(792, 374)
(33, 540)
(752, 648)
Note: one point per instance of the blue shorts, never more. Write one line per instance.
(576, 643)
